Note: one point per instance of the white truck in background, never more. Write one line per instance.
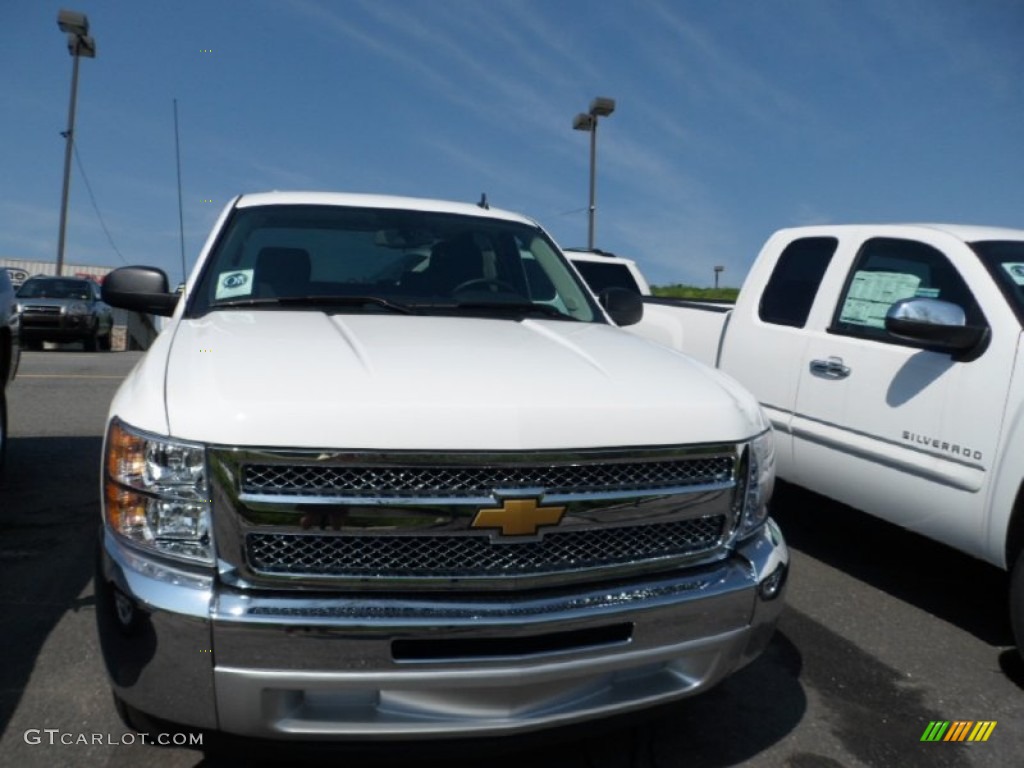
(697, 335)
(888, 358)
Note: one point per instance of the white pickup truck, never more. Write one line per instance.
(888, 359)
(390, 471)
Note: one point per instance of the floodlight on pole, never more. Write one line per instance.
(718, 270)
(76, 26)
(587, 121)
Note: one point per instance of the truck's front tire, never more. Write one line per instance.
(1017, 602)
(125, 713)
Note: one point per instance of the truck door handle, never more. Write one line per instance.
(832, 368)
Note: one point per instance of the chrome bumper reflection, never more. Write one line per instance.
(307, 666)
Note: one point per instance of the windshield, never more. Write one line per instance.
(351, 259)
(1005, 260)
(55, 289)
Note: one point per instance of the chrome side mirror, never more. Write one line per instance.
(936, 323)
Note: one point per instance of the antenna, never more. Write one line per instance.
(181, 219)
(483, 201)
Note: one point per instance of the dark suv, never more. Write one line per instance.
(64, 309)
(10, 351)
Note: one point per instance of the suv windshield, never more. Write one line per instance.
(55, 288)
(1005, 260)
(353, 259)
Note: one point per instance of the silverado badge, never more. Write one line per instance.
(518, 517)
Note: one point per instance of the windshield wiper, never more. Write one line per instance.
(517, 308)
(318, 301)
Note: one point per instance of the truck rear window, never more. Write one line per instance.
(789, 295)
(601, 276)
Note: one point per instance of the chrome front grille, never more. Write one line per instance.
(37, 309)
(475, 556)
(469, 481)
(407, 519)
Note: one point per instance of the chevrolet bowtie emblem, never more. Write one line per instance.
(518, 517)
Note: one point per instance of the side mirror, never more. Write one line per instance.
(140, 289)
(936, 323)
(625, 307)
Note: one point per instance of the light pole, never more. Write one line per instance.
(76, 25)
(718, 271)
(587, 121)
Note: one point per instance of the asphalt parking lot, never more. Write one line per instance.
(884, 631)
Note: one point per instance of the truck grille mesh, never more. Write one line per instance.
(462, 556)
(456, 482)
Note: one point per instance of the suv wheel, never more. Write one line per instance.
(106, 341)
(92, 344)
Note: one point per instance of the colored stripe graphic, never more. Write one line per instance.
(958, 730)
(982, 730)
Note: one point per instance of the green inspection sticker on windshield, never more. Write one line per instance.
(238, 282)
(1015, 270)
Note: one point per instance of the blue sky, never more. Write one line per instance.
(734, 117)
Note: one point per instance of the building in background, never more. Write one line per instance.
(22, 269)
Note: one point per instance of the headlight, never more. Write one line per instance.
(156, 494)
(757, 481)
(78, 308)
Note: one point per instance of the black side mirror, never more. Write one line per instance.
(140, 289)
(625, 307)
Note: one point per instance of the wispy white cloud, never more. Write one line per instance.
(388, 46)
(280, 177)
(520, 38)
(455, 53)
(699, 59)
(959, 38)
(807, 214)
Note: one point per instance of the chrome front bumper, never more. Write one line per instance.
(313, 666)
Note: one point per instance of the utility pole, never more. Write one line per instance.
(76, 25)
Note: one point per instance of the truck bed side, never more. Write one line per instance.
(694, 327)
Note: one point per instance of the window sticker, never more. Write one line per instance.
(926, 293)
(1015, 269)
(238, 282)
(872, 293)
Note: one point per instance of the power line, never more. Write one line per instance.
(88, 186)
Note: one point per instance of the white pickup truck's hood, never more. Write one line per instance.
(307, 379)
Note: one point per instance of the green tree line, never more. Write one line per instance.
(679, 291)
